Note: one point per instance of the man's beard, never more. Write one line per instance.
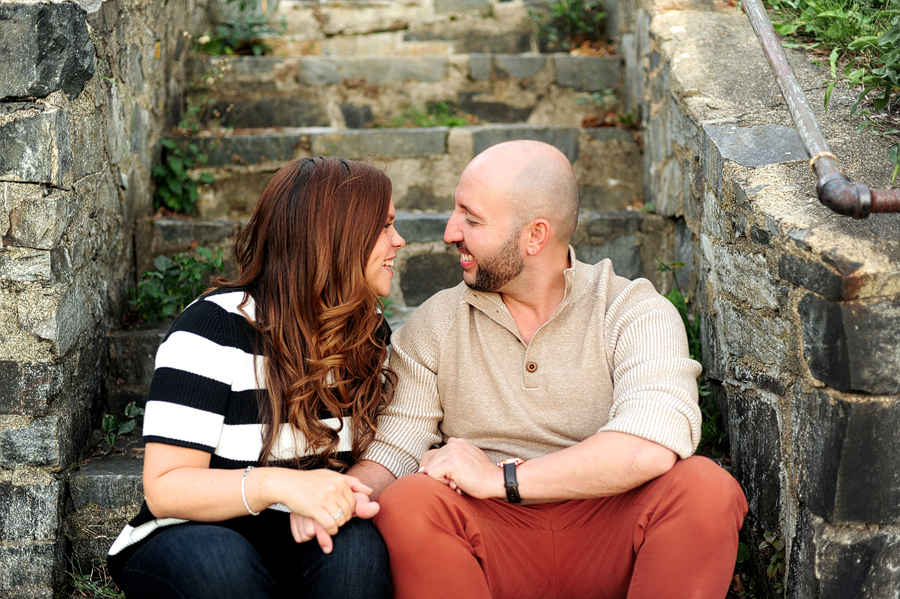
(496, 271)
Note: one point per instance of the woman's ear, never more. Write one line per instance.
(538, 233)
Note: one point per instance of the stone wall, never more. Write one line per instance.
(798, 306)
(86, 89)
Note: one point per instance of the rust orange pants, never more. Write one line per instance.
(673, 537)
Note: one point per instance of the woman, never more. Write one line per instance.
(264, 390)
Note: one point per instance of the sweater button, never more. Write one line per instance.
(531, 367)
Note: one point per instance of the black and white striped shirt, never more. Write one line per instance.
(204, 395)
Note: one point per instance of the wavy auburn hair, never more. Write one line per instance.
(302, 257)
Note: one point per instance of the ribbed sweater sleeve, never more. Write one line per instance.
(654, 380)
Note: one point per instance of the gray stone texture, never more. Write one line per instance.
(36, 148)
(451, 6)
(845, 450)
(395, 143)
(852, 346)
(132, 354)
(39, 223)
(756, 453)
(32, 570)
(416, 228)
(848, 562)
(565, 139)
(45, 48)
(267, 112)
(30, 512)
(588, 73)
(424, 275)
(378, 71)
(105, 494)
(28, 388)
(41, 443)
(484, 67)
(249, 149)
(757, 145)
(623, 252)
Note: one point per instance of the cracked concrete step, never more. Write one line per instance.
(424, 164)
(354, 92)
(378, 28)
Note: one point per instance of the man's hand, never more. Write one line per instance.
(465, 468)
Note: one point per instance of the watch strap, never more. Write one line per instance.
(511, 483)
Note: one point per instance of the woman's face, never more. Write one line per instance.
(380, 267)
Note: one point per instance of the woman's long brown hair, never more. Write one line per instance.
(302, 257)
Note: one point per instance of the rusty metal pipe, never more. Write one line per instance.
(834, 189)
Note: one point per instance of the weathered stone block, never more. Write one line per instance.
(624, 252)
(44, 442)
(755, 436)
(565, 139)
(421, 227)
(31, 571)
(36, 149)
(488, 66)
(745, 276)
(131, 364)
(25, 265)
(426, 274)
(493, 112)
(268, 112)
(396, 143)
(588, 73)
(106, 494)
(39, 223)
(611, 223)
(45, 48)
(852, 346)
(377, 71)
(28, 388)
(757, 145)
(249, 149)
(450, 6)
(817, 277)
(751, 334)
(845, 452)
(30, 512)
(829, 562)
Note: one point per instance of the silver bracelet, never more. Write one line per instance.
(244, 491)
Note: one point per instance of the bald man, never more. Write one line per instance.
(565, 406)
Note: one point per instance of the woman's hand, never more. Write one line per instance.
(305, 529)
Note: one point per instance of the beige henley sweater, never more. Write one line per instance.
(614, 357)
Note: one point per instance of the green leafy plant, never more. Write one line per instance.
(246, 36)
(775, 570)
(566, 24)
(436, 114)
(175, 283)
(113, 428)
(176, 188)
(861, 35)
(97, 584)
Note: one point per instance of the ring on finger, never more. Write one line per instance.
(338, 514)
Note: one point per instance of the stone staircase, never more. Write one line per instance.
(338, 74)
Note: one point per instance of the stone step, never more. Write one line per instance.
(356, 92)
(424, 164)
(379, 28)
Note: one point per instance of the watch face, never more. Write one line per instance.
(515, 461)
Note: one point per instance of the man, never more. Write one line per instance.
(577, 384)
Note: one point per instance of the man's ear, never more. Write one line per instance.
(537, 233)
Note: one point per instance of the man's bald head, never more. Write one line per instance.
(537, 181)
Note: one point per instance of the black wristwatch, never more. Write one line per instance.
(509, 478)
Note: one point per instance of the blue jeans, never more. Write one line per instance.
(249, 558)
